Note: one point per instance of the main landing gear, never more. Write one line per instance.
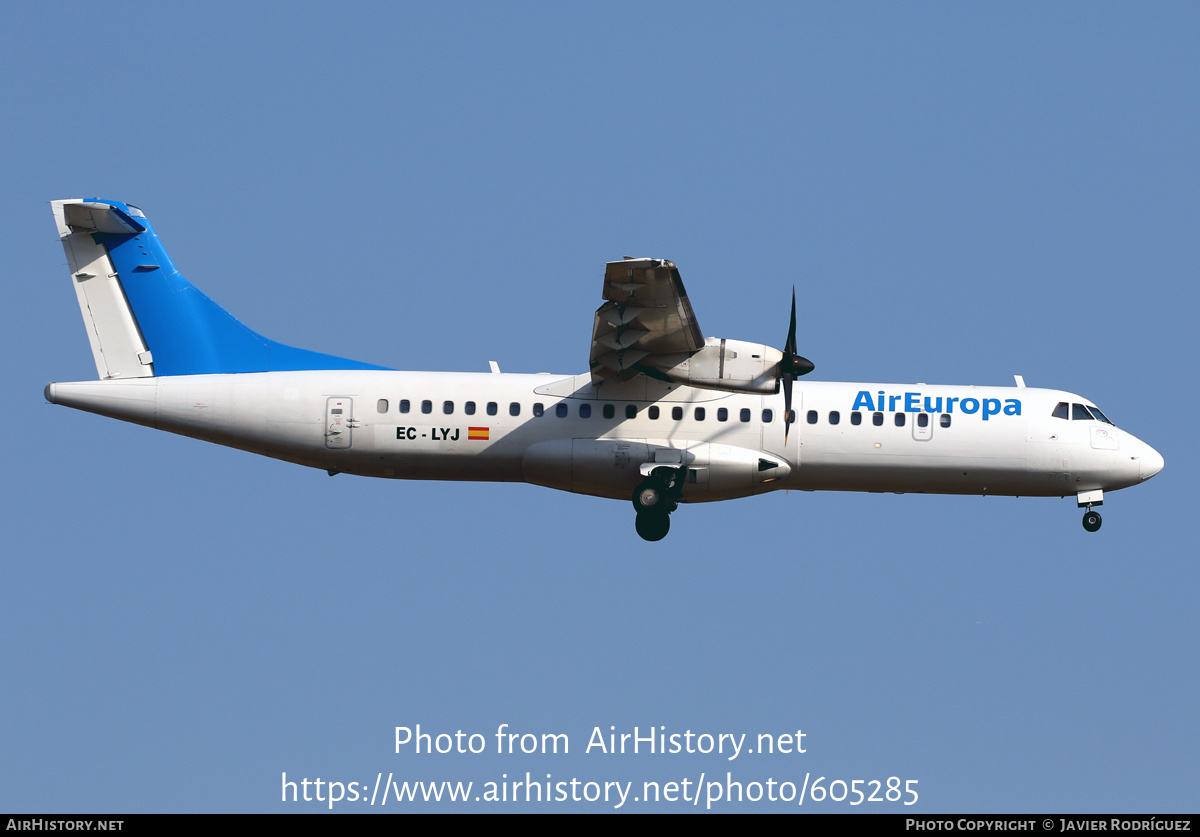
(1091, 520)
(654, 499)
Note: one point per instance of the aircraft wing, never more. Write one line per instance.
(646, 323)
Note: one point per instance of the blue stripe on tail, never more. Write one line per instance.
(187, 333)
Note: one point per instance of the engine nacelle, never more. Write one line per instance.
(727, 365)
(613, 467)
(723, 472)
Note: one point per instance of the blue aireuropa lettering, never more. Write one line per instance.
(914, 402)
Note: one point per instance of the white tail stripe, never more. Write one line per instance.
(116, 341)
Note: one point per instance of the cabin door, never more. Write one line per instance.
(339, 421)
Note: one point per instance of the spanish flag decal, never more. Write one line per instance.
(477, 434)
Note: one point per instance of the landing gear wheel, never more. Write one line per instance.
(650, 495)
(653, 525)
(1091, 521)
(654, 499)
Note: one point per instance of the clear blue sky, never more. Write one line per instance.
(959, 192)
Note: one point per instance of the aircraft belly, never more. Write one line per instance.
(599, 467)
(919, 474)
(428, 466)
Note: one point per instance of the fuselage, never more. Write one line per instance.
(665, 415)
(563, 432)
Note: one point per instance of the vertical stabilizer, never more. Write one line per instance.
(144, 319)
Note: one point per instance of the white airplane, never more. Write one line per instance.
(665, 416)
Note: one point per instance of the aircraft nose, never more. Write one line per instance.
(1151, 462)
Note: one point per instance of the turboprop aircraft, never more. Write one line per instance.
(664, 416)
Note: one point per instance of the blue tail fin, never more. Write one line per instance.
(144, 318)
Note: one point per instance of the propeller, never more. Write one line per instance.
(791, 367)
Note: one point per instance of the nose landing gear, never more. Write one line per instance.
(654, 499)
(1085, 500)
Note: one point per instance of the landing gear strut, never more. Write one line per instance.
(654, 499)
(1085, 500)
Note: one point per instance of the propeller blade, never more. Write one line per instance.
(789, 347)
(787, 407)
(791, 367)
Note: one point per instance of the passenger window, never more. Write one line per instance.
(448, 407)
(790, 416)
(1080, 413)
(491, 408)
(538, 410)
(922, 419)
(744, 415)
(945, 420)
(382, 405)
(469, 408)
(835, 417)
(404, 405)
(1060, 411)
(877, 419)
(630, 411)
(700, 414)
(609, 411)
(514, 409)
(426, 406)
(899, 419)
(812, 416)
(653, 411)
(560, 410)
(677, 413)
(585, 410)
(722, 414)
(856, 418)
(768, 416)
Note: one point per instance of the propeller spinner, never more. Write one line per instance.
(791, 367)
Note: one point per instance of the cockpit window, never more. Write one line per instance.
(1079, 412)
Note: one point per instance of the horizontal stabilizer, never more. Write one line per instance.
(91, 216)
